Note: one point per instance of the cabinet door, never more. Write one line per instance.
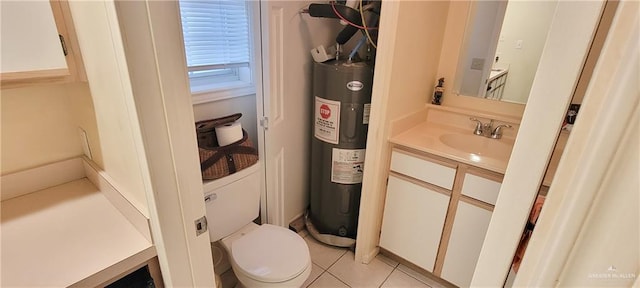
(469, 228)
(413, 221)
(30, 42)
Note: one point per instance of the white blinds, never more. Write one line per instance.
(216, 33)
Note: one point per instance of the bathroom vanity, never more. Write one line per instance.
(443, 184)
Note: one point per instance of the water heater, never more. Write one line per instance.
(342, 91)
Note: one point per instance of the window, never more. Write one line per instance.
(217, 39)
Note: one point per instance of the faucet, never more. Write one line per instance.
(497, 132)
(478, 130)
(487, 130)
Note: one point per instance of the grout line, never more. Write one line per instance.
(314, 280)
(334, 262)
(345, 283)
(415, 277)
(392, 266)
(385, 279)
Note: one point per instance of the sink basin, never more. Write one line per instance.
(478, 146)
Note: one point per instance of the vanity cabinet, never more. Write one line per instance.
(437, 212)
(470, 224)
(423, 169)
(413, 221)
(469, 228)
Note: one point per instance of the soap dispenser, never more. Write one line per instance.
(438, 92)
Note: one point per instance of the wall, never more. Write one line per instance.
(560, 66)
(586, 204)
(611, 234)
(111, 93)
(410, 32)
(40, 125)
(526, 21)
(245, 105)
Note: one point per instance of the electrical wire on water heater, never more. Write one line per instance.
(333, 6)
(364, 23)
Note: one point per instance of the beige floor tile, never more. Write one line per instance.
(327, 280)
(358, 274)
(420, 277)
(316, 271)
(387, 260)
(323, 255)
(401, 279)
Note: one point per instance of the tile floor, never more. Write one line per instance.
(336, 268)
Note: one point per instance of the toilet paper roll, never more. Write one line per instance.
(229, 133)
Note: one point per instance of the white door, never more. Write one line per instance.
(287, 38)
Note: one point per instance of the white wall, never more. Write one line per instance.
(411, 32)
(40, 125)
(101, 47)
(585, 205)
(528, 21)
(611, 234)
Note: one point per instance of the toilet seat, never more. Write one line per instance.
(271, 254)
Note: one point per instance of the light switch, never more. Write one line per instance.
(477, 63)
(518, 44)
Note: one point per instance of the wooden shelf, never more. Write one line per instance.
(67, 235)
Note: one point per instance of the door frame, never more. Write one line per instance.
(610, 105)
(156, 62)
(556, 78)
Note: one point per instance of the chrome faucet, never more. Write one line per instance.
(479, 125)
(487, 130)
(497, 132)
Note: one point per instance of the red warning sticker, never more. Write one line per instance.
(327, 120)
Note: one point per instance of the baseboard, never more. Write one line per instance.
(100, 179)
(42, 177)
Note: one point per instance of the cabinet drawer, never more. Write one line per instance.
(413, 221)
(481, 188)
(422, 169)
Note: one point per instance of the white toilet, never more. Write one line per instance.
(260, 255)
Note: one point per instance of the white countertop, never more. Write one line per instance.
(425, 137)
(64, 234)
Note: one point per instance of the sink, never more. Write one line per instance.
(478, 146)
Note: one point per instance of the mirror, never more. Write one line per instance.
(502, 47)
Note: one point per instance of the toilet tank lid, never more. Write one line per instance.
(271, 254)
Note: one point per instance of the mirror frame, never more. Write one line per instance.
(452, 44)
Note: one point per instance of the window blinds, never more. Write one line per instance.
(216, 34)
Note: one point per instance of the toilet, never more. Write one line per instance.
(260, 255)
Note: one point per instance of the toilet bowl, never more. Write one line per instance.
(260, 255)
(268, 256)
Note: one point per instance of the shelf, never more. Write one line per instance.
(67, 235)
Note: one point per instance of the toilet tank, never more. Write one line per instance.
(232, 202)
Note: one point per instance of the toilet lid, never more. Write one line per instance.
(271, 254)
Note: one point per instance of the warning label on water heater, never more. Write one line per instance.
(327, 120)
(347, 166)
(365, 113)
